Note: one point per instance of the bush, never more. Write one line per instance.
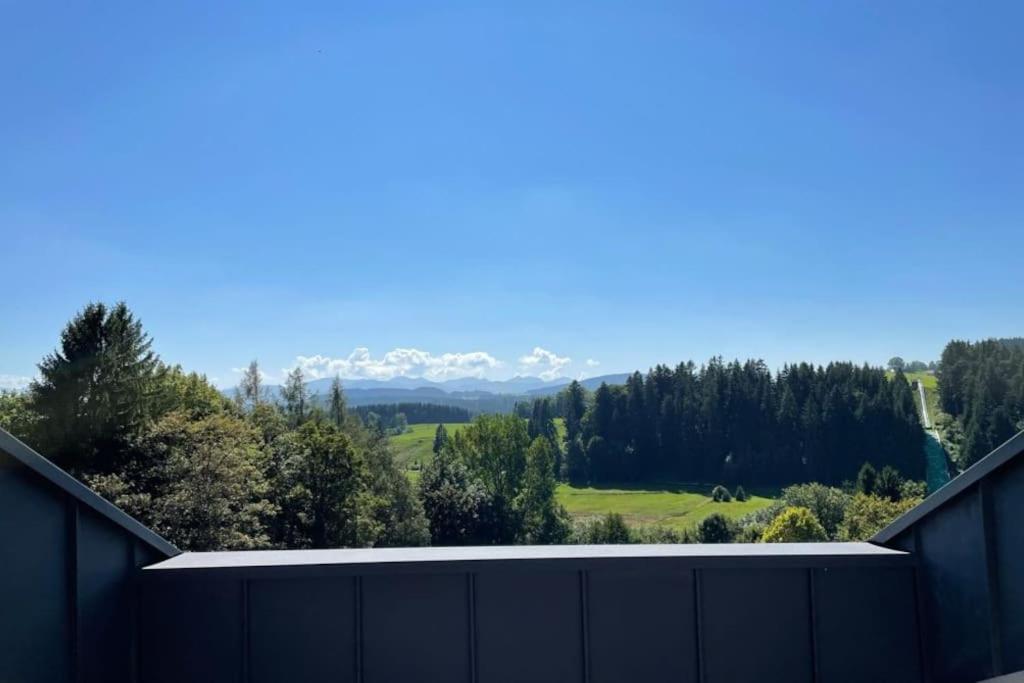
(740, 495)
(889, 484)
(716, 528)
(608, 529)
(866, 479)
(867, 515)
(794, 525)
(720, 494)
(827, 503)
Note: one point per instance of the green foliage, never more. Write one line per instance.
(603, 530)
(889, 484)
(318, 479)
(732, 422)
(576, 462)
(456, 504)
(440, 439)
(740, 494)
(97, 392)
(337, 407)
(828, 504)
(867, 515)
(981, 385)
(200, 483)
(295, 397)
(716, 528)
(867, 479)
(517, 477)
(794, 525)
(16, 414)
(720, 494)
(543, 520)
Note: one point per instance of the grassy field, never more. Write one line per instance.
(415, 448)
(673, 506)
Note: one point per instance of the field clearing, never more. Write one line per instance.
(677, 506)
(415, 448)
(674, 506)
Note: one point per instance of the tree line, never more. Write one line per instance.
(981, 385)
(415, 413)
(738, 423)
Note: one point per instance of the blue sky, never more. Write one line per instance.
(628, 183)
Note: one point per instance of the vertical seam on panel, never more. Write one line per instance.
(699, 622)
(359, 628)
(815, 672)
(921, 611)
(585, 623)
(991, 576)
(471, 600)
(71, 534)
(133, 611)
(245, 631)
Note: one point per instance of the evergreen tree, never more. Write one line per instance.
(337, 409)
(543, 520)
(295, 397)
(440, 438)
(96, 392)
(867, 478)
(250, 387)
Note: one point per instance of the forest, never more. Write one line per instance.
(981, 385)
(212, 472)
(411, 413)
(739, 423)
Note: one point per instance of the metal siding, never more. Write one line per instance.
(302, 630)
(642, 626)
(416, 627)
(952, 557)
(529, 627)
(104, 599)
(192, 631)
(1008, 534)
(755, 625)
(865, 625)
(35, 623)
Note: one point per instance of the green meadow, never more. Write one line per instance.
(673, 505)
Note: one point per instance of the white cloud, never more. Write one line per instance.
(14, 381)
(360, 364)
(591, 363)
(543, 363)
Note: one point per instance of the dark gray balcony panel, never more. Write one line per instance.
(755, 625)
(416, 627)
(311, 621)
(573, 614)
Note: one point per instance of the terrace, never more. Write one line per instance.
(89, 594)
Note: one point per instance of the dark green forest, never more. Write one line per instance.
(740, 423)
(981, 385)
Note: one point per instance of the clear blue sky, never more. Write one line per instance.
(629, 183)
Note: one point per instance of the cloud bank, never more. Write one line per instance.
(360, 364)
(543, 363)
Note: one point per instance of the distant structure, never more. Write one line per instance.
(89, 595)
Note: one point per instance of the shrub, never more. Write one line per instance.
(866, 479)
(794, 525)
(740, 494)
(867, 515)
(608, 529)
(889, 483)
(720, 494)
(716, 528)
(827, 503)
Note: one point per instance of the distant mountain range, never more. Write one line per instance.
(479, 395)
